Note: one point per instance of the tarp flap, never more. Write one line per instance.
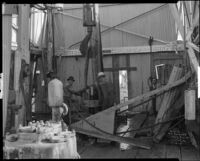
(37, 21)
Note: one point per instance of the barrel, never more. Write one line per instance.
(55, 93)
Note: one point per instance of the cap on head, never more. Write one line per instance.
(101, 74)
(71, 78)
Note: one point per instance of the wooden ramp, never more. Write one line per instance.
(103, 120)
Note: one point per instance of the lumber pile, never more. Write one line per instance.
(172, 102)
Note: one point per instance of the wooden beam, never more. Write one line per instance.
(17, 68)
(195, 22)
(120, 68)
(193, 60)
(22, 53)
(167, 99)
(195, 47)
(177, 18)
(193, 140)
(115, 65)
(173, 111)
(126, 50)
(23, 31)
(187, 12)
(6, 40)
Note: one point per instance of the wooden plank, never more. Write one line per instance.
(135, 142)
(23, 31)
(195, 22)
(125, 50)
(120, 68)
(193, 60)
(193, 140)
(17, 68)
(173, 111)
(167, 100)
(195, 47)
(50, 40)
(23, 51)
(6, 40)
(177, 18)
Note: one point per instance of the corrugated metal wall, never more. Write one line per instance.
(158, 23)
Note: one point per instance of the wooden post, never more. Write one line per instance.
(178, 21)
(49, 40)
(115, 64)
(96, 44)
(6, 32)
(23, 53)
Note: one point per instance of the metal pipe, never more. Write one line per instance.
(54, 58)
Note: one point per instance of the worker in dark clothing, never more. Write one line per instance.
(105, 91)
(69, 92)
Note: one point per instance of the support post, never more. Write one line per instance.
(22, 53)
(6, 32)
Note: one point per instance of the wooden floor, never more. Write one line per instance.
(161, 150)
(106, 150)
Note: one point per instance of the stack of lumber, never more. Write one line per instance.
(170, 105)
